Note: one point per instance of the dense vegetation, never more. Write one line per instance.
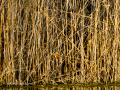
(85, 33)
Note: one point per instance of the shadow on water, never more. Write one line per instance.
(61, 87)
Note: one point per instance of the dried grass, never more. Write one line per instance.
(85, 33)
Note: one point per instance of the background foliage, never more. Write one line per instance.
(86, 34)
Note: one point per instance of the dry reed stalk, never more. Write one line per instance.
(1, 27)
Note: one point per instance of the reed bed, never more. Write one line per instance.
(85, 33)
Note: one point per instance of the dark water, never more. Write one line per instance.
(61, 88)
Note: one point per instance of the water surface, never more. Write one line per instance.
(61, 87)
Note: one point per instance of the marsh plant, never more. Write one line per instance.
(85, 34)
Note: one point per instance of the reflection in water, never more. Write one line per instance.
(62, 88)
